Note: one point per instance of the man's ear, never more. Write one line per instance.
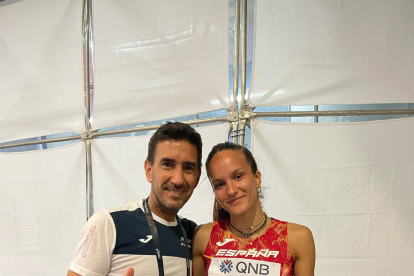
(148, 170)
(258, 179)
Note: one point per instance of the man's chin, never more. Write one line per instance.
(174, 198)
(175, 203)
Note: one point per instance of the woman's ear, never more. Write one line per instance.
(258, 179)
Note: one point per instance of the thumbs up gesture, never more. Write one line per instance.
(130, 272)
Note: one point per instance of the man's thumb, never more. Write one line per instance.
(130, 272)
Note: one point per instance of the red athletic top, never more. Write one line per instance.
(227, 254)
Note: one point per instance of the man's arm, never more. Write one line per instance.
(301, 243)
(130, 272)
(96, 242)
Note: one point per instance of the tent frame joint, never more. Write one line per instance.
(87, 135)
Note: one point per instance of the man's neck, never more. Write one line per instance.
(161, 211)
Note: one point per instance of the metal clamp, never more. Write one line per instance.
(241, 118)
(246, 113)
(87, 135)
(233, 118)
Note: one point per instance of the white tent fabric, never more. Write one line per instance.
(351, 184)
(159, 59)
(333, 52)
(42, 209)
(41, 79)
(119, 172)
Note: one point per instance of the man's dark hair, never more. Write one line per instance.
(175, 131)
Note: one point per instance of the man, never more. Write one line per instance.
(114, 240)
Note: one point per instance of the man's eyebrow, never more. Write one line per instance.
(166, 159)
(188, 163)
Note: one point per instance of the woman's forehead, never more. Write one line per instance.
(226, 158)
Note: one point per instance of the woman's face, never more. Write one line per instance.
(234, 184)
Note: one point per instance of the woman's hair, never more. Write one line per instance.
(219, 212)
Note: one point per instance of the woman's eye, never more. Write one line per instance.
(239, 176)
(218, 186)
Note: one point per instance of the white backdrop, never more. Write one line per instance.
(159, 59)
(119, 176)
(315, 52)
(41, 86)
(351, 184)
(42, 209)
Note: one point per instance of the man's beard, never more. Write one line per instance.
(165, 205)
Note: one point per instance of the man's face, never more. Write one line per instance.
(174, 175)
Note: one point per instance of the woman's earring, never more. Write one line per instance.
(217, 208)
(260, 193)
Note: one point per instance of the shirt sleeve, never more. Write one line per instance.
(96, 244)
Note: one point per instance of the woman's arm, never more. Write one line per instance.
(300, 240)
(200, 241)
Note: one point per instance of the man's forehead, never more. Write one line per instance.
(170, 148)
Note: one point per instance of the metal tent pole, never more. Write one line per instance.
(235, 108)
(334, 113)
(53, 140)
(243, 53)
(243, 106)
(98, 133)
(87, 23)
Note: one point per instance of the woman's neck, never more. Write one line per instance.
(249, 225)
(253, 217)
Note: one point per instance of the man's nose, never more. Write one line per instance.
(178, 177)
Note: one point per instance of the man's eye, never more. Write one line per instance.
(189, 168)
(167, 164)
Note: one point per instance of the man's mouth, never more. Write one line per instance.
(176, 191)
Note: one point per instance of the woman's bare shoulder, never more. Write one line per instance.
(300, 239)
(201, 237)
(204, 229)
(298, 231)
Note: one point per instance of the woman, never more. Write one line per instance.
(243, 240)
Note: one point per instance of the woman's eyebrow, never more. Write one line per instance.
(233, 172)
